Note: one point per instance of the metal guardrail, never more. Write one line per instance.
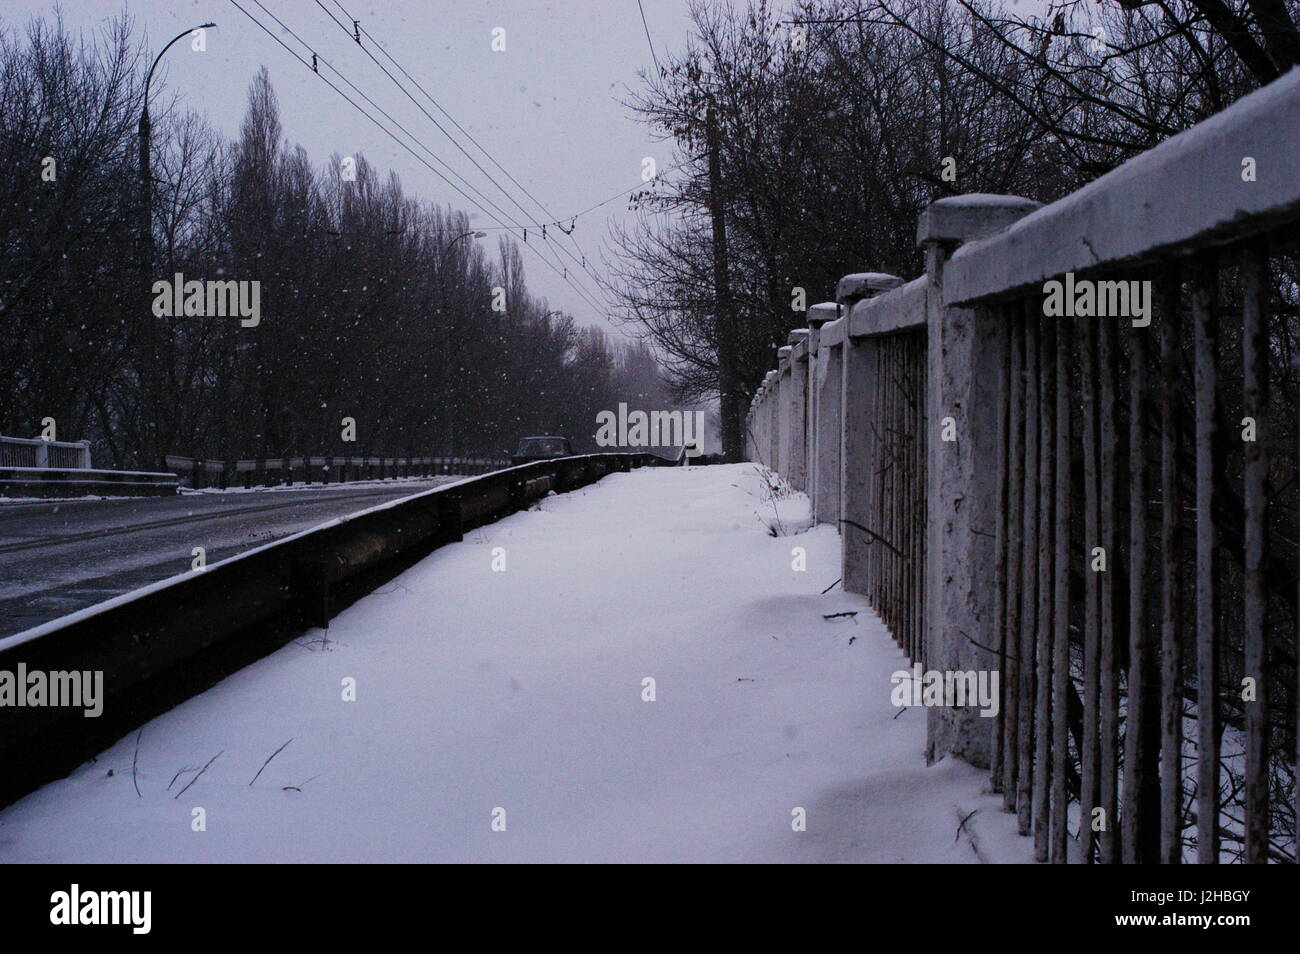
(37, 452)
(146, 637)
(70, 482)
(286, 471)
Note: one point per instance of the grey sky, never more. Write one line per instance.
(547, 107)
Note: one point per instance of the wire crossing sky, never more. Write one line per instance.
(523, 137)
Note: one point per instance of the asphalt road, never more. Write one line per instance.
(57, 557)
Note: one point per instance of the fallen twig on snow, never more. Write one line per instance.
(179, 773)
(268, 762)
(970, 834)
(135, 759)
(197, 777)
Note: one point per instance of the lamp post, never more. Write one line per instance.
(146, 174)
(462, 235)
(153, 449)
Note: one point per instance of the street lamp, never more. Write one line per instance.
(447, 248)
(146, 175)
(153, 447)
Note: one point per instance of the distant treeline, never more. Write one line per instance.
(372, 305)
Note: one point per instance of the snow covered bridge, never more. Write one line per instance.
(1056, 472)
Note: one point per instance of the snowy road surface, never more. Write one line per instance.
(522, 690)
(57, 557)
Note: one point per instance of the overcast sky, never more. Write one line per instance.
(548, 107)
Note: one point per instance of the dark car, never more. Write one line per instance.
(541, 448)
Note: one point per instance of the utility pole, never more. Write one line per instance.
(724, 314)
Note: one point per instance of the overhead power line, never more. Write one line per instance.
(585, 296)
(562, 272)
(554, 223)
(356, 36)
(653, 55)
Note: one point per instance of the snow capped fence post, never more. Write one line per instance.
(749, 426)
(757, 430)
(797, 466)
(810, 417)
(860, 430)
(961, 432)
(771, 418)
(824, 435)
(754, 426)
(785, 402)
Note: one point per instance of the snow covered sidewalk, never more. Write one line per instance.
(479, 690)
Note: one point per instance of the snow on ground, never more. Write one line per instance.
(523, 690)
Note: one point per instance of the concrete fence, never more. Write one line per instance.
(1097, 501)
(35, 452)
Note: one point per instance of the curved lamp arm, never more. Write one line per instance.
(158, 58)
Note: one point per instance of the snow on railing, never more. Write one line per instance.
(1060, 456)
(37, 452)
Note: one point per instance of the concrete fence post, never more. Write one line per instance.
(856, 424)
(810, 420)
(963, 348)
(749, 426)
(781, 464)
(798, 463)
(824, 417)
(771, 434)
